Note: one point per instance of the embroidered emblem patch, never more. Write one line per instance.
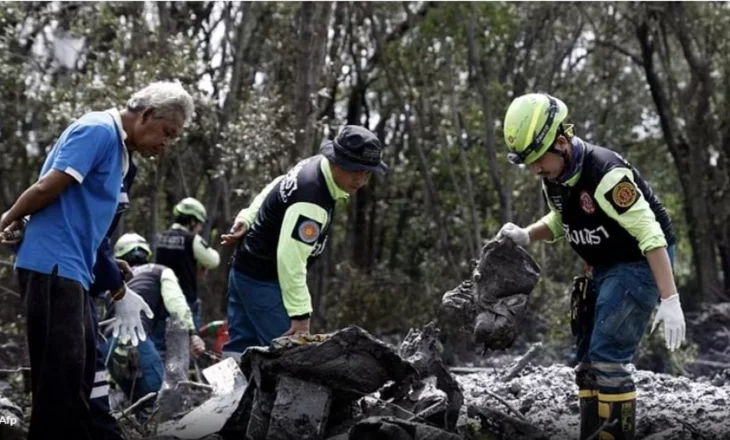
(306, 230)
(623, 195)
(586, 202)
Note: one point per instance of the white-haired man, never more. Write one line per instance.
(71, 207)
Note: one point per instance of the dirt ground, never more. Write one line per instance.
(668, 407)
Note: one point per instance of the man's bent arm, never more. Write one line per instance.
(303, 223)
(539, 231)
(618, 196)
(74, 160)
(204, 254)
(39, 195)
(550, 227)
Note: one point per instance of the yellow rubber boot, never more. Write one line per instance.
(620, 411)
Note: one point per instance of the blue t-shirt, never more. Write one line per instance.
(107, 275)
(68, 232)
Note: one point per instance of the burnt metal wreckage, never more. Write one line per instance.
(347, 384)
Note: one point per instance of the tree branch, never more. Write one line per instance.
(611, 45)
(400, 30)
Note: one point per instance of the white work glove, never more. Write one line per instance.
(519, 235)
(127, 322)
(670, 311)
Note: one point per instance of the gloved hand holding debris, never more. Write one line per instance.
(515, 233)
(489, 305)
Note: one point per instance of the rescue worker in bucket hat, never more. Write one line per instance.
(613, 220)
(283, 231)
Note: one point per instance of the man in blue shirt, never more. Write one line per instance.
(109, 275)
(71, 208)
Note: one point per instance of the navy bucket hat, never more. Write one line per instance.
(356, 149)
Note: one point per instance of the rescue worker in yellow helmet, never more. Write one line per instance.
(181, 249)
(613, 220)
(139, 370)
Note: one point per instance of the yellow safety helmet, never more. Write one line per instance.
(531, 126)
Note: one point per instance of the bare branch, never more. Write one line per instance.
(611, 45)
(400, 30)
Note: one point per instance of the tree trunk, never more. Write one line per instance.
(480, 71)
(312, 40)
(692, 170)
(218, 185)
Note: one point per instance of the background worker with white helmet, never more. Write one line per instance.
(613, 220)
(181, 249)
(139, 370)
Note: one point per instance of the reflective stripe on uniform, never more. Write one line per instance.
(100, 376)
(100, 391)
(101, 385)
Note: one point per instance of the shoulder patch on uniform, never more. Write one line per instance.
(306, 230)
(623, 195)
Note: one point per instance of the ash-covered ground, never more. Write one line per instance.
(668, 407)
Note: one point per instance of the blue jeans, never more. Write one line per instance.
(256, 312)
(626, 297)
(137, 377)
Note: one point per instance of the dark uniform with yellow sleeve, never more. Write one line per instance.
(288, 226)
(611, 218)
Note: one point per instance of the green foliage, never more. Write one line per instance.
(383, 302)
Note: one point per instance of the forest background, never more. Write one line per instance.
(433, 81)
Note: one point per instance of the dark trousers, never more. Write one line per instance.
(104, 425)
(62, 352)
